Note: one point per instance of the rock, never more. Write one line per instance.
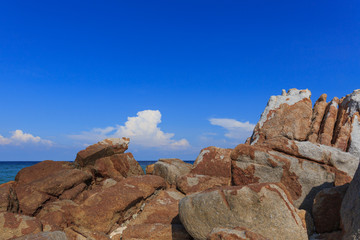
(170, 169)
(302, 178)
(317, 117)
(192, 183)
(101, 149)
(72, 193)
(307, 221)
(115, 204)
(30, 200)
(287, 115)
(330, 117)
(8, 199)
(156, 231)
(327, 236)
(150, 169)
(118, 166)
(238, 233)
(264, 208)
(56, 235)
(326, 208)
(80, 233)
(350, 209)
(14, 225)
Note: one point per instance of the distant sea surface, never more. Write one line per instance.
(8, 170)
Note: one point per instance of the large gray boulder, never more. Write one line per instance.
(171, 169)
(266, 209)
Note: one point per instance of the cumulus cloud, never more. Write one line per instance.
(143, 130)
(236, 129)
(18, 137)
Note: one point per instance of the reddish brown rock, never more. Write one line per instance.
(238, 233)
(56, 235)
(118, 166)
(326, 209)
(79, 233)
(192, 183)
(327, 128)
(157, 231)
(317, 117)
(15, 225)
(115, 204)
(101, 149)
(288, 115)
(72, 193)
(8, 198)
(171, 169)
(30, 200)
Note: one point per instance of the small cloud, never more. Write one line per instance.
(143, 130)
(236, 129)
(18, 137)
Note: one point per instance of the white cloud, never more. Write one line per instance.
(142, 130)
(18, 137)
(236, 129)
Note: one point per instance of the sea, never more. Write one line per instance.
(8, 170)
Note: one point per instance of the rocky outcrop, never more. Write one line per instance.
(171, 169)
(15, 225)
(212, 168)
(56, 235)
(105, 148)
(8, 198)
(238, 233)
(259, 207)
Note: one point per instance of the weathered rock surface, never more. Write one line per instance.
(56, 235)
(150, 169)
(350, 209)
(101, 149)
(156, 231)
(8, 198)
(118, 166)
(238, 233)
(15, 225)
(212, 168)
(326, 209)
(116, 203)
(263, 208)
(171, 169)
(288, 115)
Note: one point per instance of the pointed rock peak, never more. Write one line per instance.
(351, 102)
(322, 98)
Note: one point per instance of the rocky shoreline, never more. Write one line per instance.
(296, 177)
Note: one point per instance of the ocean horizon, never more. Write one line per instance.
(9, 169)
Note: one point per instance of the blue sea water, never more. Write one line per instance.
(8, 170)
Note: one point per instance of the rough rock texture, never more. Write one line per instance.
(317, 117)
(118, 166)
(350, 209)
(238, 233)
(212, 168)
(101, 149)
(44, 181)
(235, 206)
(56, 235)
(302, 178)
(150, 169)
(171, 169)
(156, 231)
(8, 198)
(15, 225)
(115, 204)
(287, 115)
(326, 209)
(307, 221)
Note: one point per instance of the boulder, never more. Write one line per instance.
(350, 209)
(192, 183)
(105, 148)
(329, 120)
(326, 208)
(115, 204)
(150, 169)
(8, 199)
(238, 233)
(302, 178)
(118, 166)
(171, 169)
(317, 117)
(15, 225)
(56, 235)
(288, 115)
(266, 209)
(156, 231)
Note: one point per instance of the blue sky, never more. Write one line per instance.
(175, 76)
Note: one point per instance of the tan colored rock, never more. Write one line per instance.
(238, 233)
(317, 117)
(171, 169)
(288, 115)
(56, 235)
(150, 169)
(101, 149)
(327, 128)
(326, 209)
(115, 204)
(15, 225)
(156, 231)
(307, 221)
(8, 199)
(118, 166)
(264, 208)
(192, 183)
